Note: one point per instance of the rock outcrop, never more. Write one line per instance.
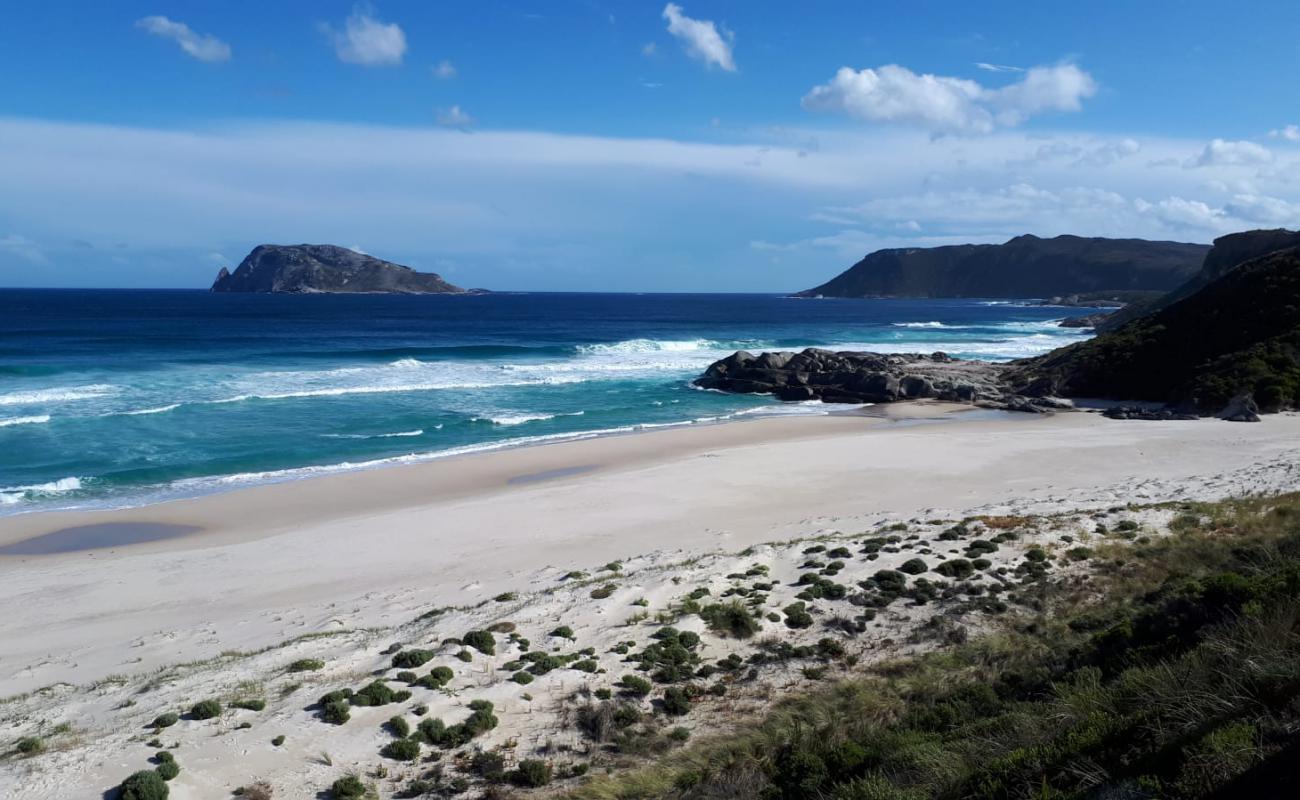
(1024, 267)
(860, 377)
(325, 268)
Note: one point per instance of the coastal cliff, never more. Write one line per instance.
(325, 268)
(1026, 266)
(1238, 336)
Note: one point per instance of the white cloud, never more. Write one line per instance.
(648, 49)
(987, 67)
(1290, 133)
(1264, 210)
(204, 47)
(22, 247)
(1222, 153)
(944, 104)
(700, 37)
(454, 117)
(367, 41)
(445, 70)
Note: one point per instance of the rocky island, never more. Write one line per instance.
(325, 269)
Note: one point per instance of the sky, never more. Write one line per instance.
(588, 145)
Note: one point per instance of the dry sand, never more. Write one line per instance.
(376, 549)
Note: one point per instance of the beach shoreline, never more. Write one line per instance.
(374, 548)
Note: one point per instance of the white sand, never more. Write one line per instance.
(378, 548)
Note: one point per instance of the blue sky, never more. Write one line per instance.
(628, 146)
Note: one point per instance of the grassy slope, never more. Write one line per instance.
(1239, 333)
(1184, 681)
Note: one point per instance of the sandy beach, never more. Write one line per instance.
(372, 548)
(372, 551)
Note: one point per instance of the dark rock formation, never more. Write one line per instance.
(325, 268)
(1236, 336)
(1023, 267)
(855, 377)
(1086, 321)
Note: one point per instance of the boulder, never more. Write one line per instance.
(1241, 408)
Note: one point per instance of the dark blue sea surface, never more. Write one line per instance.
(121, 397)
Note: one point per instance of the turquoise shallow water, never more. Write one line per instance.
(122, 397)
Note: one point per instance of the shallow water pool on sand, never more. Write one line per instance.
(100, 536)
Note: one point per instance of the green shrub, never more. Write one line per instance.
(564, 632)
(336, 712)
(143, 785)
(401, 750)
(277, 741)
(481, 641)
(635, 685)
(532, 773)
(505, 597)
(956, 568)
(730, 619)
(30, 745)
(205, 709)
(348, 787)
(166, 720)
(163, 756)
(431, 731)
(676, 701)
(981, 563)
(398, 726)
(250, 705)
(306, 665)
(522, 678)
(168, 770)
(375, 693)
(411, 659)
(797, 616)
(488, 765)
(603, 591)
(913, 566)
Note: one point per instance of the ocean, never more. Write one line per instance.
(116, 397)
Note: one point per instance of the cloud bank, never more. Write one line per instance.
(896, 94)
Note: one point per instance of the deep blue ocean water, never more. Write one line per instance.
(120, 397)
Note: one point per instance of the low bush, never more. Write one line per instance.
(375, 693)
(564, 632)
(730, 619)
(30, 745)
(532, 773)
(913, 566)
(522, 678)
(250, 704)
(401, 750)
(146, 784)
(306, 665)
(481, 641)
(336, 712)
(797, 616)
(411, 659)
(348, 787)
(603, 591)
(166, 720)
(676, 701)
(205, 709)
(956, 568)
(635, 685)
(168, 770)
(399, 727)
